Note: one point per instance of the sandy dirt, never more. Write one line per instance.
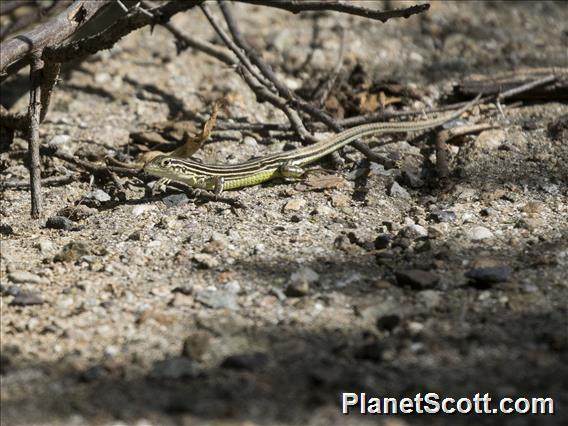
(174, 312)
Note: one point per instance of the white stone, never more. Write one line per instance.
(479, 233)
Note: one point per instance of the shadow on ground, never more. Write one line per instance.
(514, 349)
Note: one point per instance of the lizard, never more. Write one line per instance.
(287, 165)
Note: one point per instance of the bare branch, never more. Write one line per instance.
(235, 48)
(21, 22)
(52, 32)
(122, 27)
(297, 6)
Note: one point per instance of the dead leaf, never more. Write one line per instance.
(333, 105)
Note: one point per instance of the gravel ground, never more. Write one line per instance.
(173, 312)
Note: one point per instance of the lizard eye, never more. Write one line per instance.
(165, 162)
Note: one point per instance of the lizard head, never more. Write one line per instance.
(160, 166)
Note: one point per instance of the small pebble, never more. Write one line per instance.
(490, 140)
(217, 299)
(340, 200)
(25, 277)
(72, 252)
(98, 195)
(429, 298)
(27, 298)
(142, 208)
(294, 205)
(438, 230)
(232, 287)
(59, 140)
(196, 345)
(250, 141)
(323, 210)
(414, 232)
(397, 191)
(300, 280)
(205, 261)
(175, 200)
(44, 246)
(443, 216)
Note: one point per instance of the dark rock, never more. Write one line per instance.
(372, 351)
(61, 222)
(5, 364)
(484, 277)
(92, 374)
(185, 289)
(382, 241)
(27, 298)
(411, 178)
(488, 211)
(135, 236)
(6, 229)
(251, 361)
(443, 216)
(388, 322)
(416, 279)
(297, 289)
(403, 243)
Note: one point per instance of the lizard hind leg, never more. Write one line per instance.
(291, 172)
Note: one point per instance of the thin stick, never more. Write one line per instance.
(263, 92)
(322, 92)
(242, 58)
(526, 87)
(33, 136)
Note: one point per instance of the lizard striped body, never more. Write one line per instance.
(219, 177)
